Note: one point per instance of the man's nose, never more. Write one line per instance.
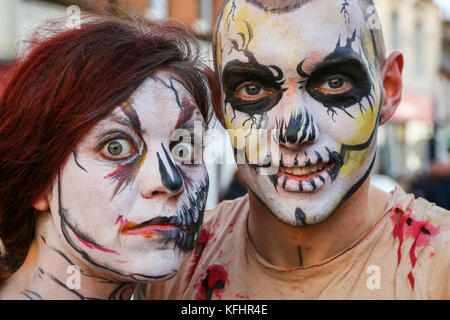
(297, 126)
(160, 175)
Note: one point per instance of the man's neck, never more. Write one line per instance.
(49, 272)
(287, 246)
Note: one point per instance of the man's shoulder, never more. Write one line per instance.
(418, 208)
(226, 212)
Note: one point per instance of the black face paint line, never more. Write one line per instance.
(231, 15)
(172, 184)
(169, 84)
(122, 291)
(67, 228)
(188, 219)
(237, 72)
(300, 257)
(300, 217)
(299, 129)
(76, 161)
(344, 11)
(346, 63)
(302, 73)
(31, 295)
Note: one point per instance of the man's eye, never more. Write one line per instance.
(250, 91)
(335, 85)
(183, 153)
(118, 148)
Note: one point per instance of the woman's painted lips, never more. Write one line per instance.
(161, 226)
(305, 179)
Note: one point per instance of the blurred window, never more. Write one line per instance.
(419, 43)
(158, 10)
(204, 24)
(395, 30)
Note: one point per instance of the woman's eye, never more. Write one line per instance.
(335, 85)
(118, 148)
(183, 153)
(249, 92)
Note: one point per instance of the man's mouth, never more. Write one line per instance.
(307, 178)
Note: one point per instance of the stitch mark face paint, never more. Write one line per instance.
(317, 83)
(124, 203)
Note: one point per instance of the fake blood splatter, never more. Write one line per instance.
(197, 253)
(214, 282)
(406, 226)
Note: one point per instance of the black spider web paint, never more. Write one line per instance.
(347, 49)
(276, 71)
(345, 12)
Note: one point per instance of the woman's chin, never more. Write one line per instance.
(153, 266)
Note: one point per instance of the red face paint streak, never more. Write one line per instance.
(92, 246)
(122, 261)
(405, 226)
(120, 220)
(214, 283)
(239, 296)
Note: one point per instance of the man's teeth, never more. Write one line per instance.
(303, 171)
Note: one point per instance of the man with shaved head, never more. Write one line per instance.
(309, 81)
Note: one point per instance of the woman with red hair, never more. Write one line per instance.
(102, 182)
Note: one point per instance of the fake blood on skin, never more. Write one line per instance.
(406, 226)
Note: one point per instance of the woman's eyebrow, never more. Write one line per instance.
(124, 121)
(132, 117)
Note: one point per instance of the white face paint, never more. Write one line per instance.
(125, 202)
(310, 74)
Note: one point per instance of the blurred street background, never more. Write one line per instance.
(413, 148)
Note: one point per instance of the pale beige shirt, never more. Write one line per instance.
(404, 256)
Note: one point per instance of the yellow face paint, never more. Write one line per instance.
(311, 74)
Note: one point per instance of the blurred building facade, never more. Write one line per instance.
(442, 118)
(408, 144)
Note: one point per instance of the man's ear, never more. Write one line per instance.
(392, 85)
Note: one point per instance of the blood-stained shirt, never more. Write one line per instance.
(404, 256)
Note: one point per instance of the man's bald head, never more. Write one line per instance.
(283, 6)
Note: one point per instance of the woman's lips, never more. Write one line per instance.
(148, 229)
(304, 179)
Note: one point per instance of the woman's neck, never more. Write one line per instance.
(50, 272)
(287, 246)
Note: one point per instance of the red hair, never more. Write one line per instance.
(60, 89)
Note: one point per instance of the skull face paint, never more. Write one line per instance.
(305, 77)
(130, 199)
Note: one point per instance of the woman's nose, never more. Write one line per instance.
(161, 176)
